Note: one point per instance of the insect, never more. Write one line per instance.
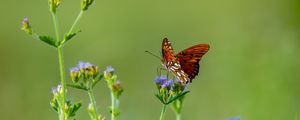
(185, 64)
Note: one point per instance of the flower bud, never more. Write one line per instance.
(117, 89)
(75, 74)
(109, 72)
(54, 5)
(26, 26)
(179, 86)
(85, 4)
(100, 117)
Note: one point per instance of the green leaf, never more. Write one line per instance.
(78, 86)
(54, 104)
(177, 97)
(74, 108)
(49, 40)
(160, 98)
(70, 36)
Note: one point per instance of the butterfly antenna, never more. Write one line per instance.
(152, 54)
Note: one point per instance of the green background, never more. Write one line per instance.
(251, 70)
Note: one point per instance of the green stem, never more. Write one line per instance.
(55, 21)
(162, 114)
(63, 116)
(76, 21)
(178, 116)
(73, 25)
(93, 102)
(63, 84)
(112, 105)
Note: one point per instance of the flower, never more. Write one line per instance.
(57, 90)
(109, 69)
(26, 26)
(84, 65)
(234, 118)
(87, 69)
(54, 90)
(160, 80)
(75, 74)
(109, 72)
(117, 89)
(167, 84)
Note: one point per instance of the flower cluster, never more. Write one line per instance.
(56, 103)
(85, 76)
(116, 90)
(169, 90)
(86, 72)
(113, 83)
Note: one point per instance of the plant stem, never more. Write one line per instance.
(54, 17)
(162, 114)
(62, 75)
(178, 116)
(61, 68)
(75, 22)
(93, 101)
(112, 105)
(73, 25)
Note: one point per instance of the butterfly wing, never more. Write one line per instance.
(170, 62)
(167, 51)
(190, 57)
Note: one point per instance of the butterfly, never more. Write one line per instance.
(185, 64)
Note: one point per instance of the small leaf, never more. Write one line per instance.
(177, 97)
(54, 104)
(74, 108)
(160, 98)
(49, 40)
(70, 36)
(77, 86)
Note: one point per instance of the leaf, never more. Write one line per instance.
(75, 107)
(160, 98)
(54, 104)
(49, 40)
(177, 97)
(69, 36)
(78, 86)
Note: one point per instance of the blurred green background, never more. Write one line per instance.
(251, 70)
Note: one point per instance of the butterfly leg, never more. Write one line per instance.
(159, 71)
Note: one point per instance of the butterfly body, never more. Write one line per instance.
(185, 64)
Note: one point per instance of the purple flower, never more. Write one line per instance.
(109, 72)
(109, 69)
(167, 84)
(234, 118)
(74, 70)
(54, 90)
(83, 65)
(160, 80)
(57, 89)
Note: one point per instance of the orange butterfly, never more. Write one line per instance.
(184, 65)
